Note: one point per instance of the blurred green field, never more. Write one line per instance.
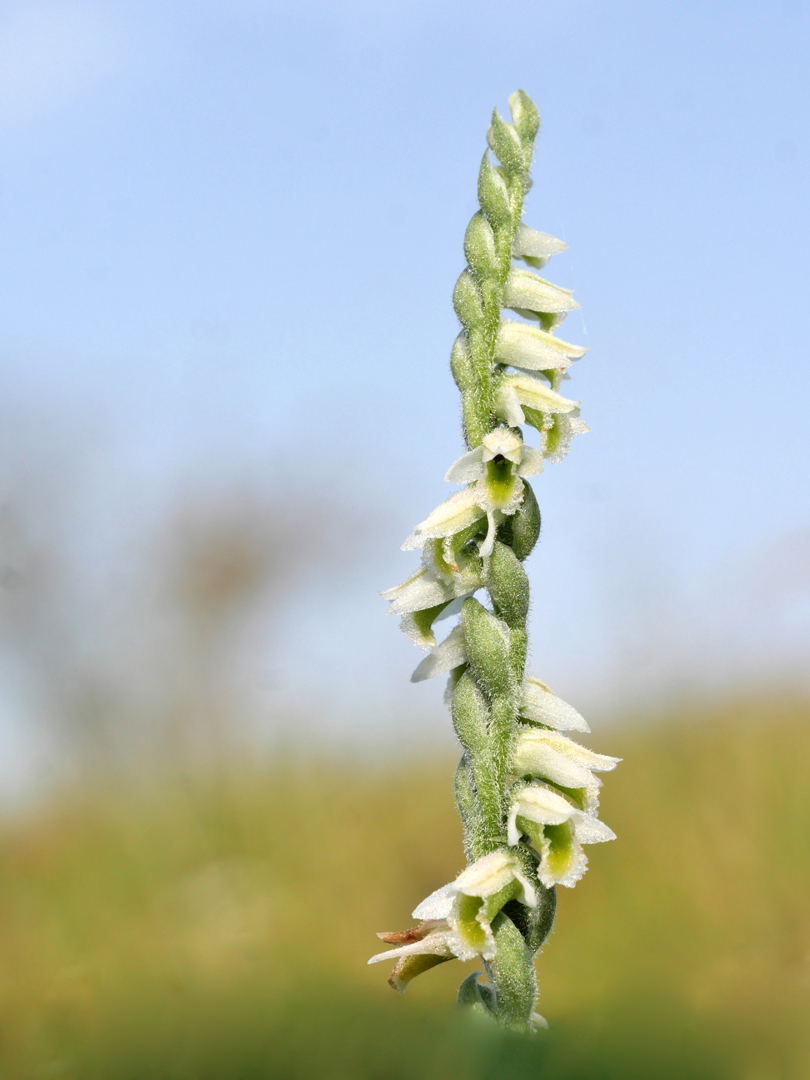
(217, 925)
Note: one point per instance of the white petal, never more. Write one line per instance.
(507, 406)
(421, 590)
(538, 804)
(436, 906)
(467, 468)
(532, 349)
(528, 895)
(537, 395)
(524, 289)
(453, 515)
(580, 754)
(546, 807)
(486, 875)
(435, 943)
(538, 245)
(553, 757)
(485, 550)
(447, 655)
(512, 831)
(490, 873)
(590, 830)
(540, 705)
(504, 442)
(532, 463)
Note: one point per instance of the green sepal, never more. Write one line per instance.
(493, 195)
(467, 300)
(479, 247)
(487, 640)
(408, 967)
(508, 585)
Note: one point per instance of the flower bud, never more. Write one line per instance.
(461, 362)
(487, 641)
(467, 300)
(508, 585)
(493, 195)
(525, 524)
(470, 715)
(479, 247)
(506, 143)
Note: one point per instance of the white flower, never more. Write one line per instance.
(557, 433)
(418, 950)
(541, 706)
(534, 247)
(528, 294)
(422, 598)
(547, 755)
(558, 829)
(531, 349)
(494, 470)
(501, 444)
(457, 919)
(514, 391)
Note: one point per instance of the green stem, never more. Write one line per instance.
(486, 699)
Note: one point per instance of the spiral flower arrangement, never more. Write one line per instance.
(527, 794)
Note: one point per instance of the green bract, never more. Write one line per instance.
(527, 794)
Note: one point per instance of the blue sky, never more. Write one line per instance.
(230, 235)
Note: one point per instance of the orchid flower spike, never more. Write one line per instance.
(457, 919)
(528, 795)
